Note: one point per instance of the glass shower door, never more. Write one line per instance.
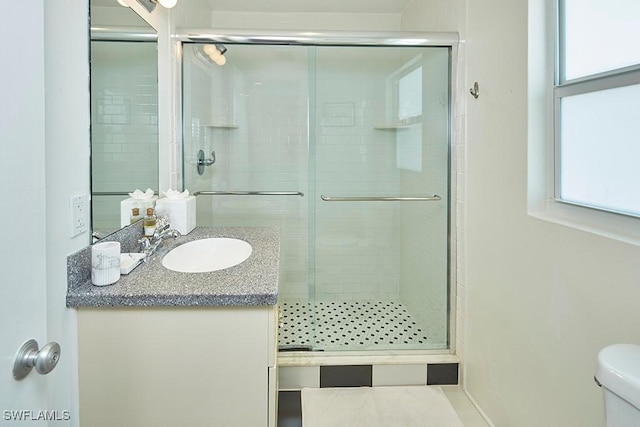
(253, 113)
(380, 164)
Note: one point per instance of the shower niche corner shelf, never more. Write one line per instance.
(222, 125)
(397, 124)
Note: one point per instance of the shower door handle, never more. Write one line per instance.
(433, 198)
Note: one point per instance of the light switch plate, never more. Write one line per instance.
(79, 208)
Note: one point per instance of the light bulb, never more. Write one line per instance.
(122, 3)
(210, 49)
(168, 3)
(214, 54)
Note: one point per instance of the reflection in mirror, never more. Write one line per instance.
(124, 111)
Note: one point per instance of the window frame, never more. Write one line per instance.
(562, 88)
(541, 204)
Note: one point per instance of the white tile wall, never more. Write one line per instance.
(361, 247)
(459, 171)
(124, 118)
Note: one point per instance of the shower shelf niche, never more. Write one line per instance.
(222, 125)
(398, 123)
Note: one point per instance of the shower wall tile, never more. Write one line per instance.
(358, 254)
(265, 152)
(460, 214)
(424, 264)
(176, 163)
(460, 169)
(461, 307)
(124, 124)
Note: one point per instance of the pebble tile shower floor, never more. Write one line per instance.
(349, 325)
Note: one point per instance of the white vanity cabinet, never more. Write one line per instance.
(178, 366)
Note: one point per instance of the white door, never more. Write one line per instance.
(22, 216)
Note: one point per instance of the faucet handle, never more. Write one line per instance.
(144, 244)
(162, 222)
(158, 232)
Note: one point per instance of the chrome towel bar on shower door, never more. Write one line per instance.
(433, 198)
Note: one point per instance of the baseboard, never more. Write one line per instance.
(478, 408)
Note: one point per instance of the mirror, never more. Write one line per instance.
(124, 111)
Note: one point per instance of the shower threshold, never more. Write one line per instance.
(295, 348)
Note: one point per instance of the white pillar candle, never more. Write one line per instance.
(105, 263)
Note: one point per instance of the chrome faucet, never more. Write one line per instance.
(148, 245)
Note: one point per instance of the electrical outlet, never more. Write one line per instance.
(78, 214)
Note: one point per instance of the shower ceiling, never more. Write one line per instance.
(311, 6)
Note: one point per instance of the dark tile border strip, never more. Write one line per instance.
(289, 409)
(442, 374)
(346, 376)
(361, 375)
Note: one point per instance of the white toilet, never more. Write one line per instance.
(618, 373)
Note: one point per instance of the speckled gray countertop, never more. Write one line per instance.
(253, 282)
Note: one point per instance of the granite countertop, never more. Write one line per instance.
(253, 282)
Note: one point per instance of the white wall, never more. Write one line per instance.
(67, 174)
(542, 299)
(307, 21)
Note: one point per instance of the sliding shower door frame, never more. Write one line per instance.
(387, 39)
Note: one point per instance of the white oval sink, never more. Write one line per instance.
(205, 255)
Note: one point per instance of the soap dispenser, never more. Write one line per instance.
(149, 223)
(135, 215)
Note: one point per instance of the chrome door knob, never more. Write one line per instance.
(28, 357)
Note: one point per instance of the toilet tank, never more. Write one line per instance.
(618, 373)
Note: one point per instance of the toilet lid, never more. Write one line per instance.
(619, 371)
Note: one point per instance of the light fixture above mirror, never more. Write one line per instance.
(151, 4)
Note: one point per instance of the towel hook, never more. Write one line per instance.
(202, 162)
(475, 90)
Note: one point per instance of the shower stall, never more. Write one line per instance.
(344, 144)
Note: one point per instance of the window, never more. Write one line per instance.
(410, 94)
(408, 83)
(597, 105)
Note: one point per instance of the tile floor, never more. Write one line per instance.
(290, 409)
(353, 325)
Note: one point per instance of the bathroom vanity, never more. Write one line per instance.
(164, 348)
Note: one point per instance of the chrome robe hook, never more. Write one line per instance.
(475, 90)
